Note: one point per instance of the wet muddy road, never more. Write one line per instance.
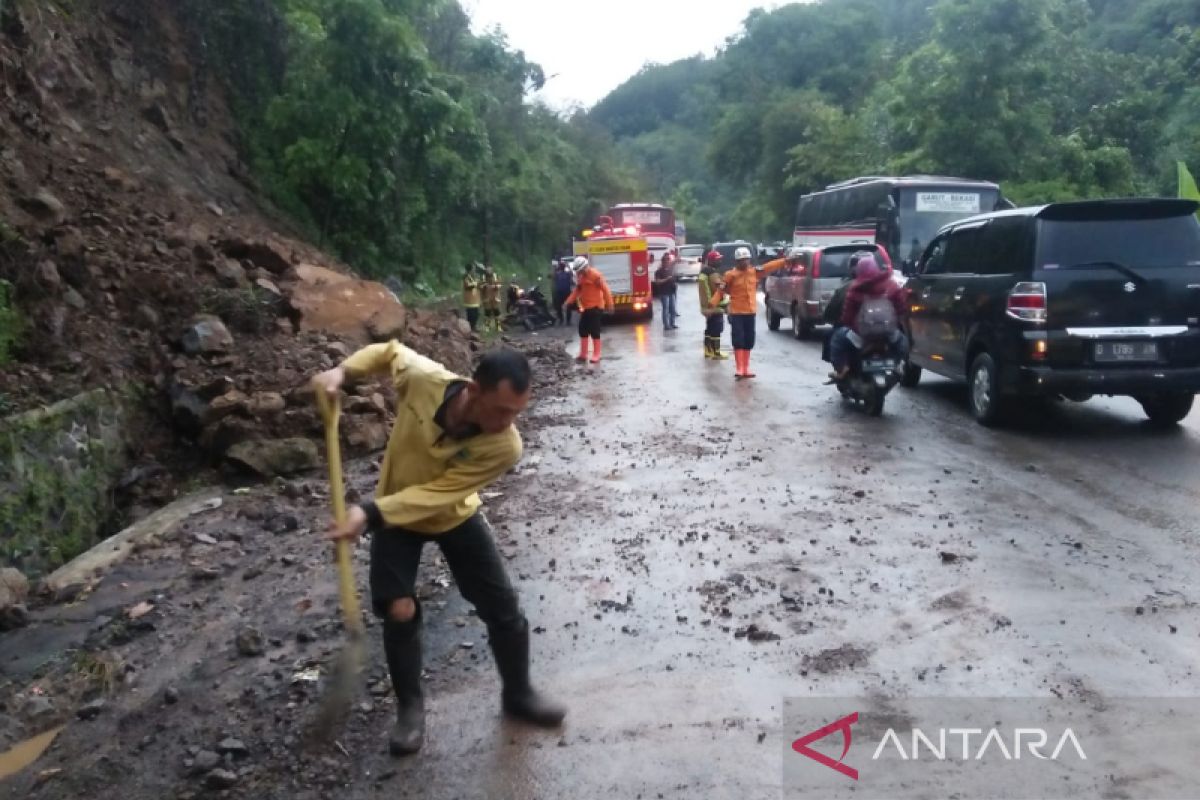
(691, 551)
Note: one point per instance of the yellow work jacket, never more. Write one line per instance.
(429, 482)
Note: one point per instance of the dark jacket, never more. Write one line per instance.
(563, 283)
(664, 281)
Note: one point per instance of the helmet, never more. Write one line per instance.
(859, 256)
(713, 255)
(579, 263)
(794, 254)
(742, 253)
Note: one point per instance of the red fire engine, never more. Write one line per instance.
(622, 256)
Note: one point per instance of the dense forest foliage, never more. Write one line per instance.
(403, 141)
(1055, 99)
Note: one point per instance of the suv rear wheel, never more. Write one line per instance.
(773, 319)
(1166, 410)
(983, 391)
(801, 329)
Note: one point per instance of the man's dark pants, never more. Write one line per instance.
(470, 552)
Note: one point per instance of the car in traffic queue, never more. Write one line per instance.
(800, 293)
(690, 260)
(1068, 300)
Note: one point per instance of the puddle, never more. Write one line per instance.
(25, 753)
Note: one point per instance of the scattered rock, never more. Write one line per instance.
(220, 779)
(171, 696)
(229, 273)
(46, 275)
(14, 587)
(91, 710)
(234, 747)
(262, 253)
(204, 762)
(44, 206)
(267, 403)
(948, 558)
(74, 299)
(206, 334)
(250, 643)
(13, 617)
(272, 457)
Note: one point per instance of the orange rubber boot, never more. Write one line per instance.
(595, 351)
(746, 373)
(737, 361)
(583, 350)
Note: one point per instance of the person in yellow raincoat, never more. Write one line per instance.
(452, 437)
(472, 294)
(708, 282)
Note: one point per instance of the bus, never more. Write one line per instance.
(655, 222)
(899, 214)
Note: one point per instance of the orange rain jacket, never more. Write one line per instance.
(741, 287)
(591, 291)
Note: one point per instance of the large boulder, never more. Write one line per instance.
(330, 302)
(206, 334)
(271, 457)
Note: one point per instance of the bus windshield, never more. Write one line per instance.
(924, 210)
(650, 218)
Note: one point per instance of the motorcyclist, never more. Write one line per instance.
(872, 296)
(832, 315)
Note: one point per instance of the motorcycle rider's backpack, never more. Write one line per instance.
(877, 317)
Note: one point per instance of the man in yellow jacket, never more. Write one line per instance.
(594, 299)
(741, 287)
(452, 437)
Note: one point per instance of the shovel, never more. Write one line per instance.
(343, 683)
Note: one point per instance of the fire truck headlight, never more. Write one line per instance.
(640, 270)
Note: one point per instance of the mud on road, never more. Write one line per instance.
(691, 551)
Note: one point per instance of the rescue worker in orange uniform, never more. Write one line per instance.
(741, 287)
(594, 299)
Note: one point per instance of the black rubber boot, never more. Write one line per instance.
(519, 698)
(402, 646)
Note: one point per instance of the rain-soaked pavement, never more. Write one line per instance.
(693, 550)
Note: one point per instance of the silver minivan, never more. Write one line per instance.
(801, 293)
(691, 259)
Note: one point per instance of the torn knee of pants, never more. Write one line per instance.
(400, 612)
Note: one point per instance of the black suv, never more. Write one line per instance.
(1066, 300)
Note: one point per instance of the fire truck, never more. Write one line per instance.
(622, 256)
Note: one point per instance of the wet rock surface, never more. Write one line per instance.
(684, 571)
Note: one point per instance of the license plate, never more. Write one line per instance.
(1126, 352)
(878, 364)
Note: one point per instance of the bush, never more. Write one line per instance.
(252, 310)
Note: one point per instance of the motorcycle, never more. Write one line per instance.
(531, 311)
(874, 372)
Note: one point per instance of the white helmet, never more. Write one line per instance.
(742, 253)
(794, 254)
(579, 263)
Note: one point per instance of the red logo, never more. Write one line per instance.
(801, 745)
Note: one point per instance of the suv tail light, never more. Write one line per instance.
(1027, 301)
(816, 270)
